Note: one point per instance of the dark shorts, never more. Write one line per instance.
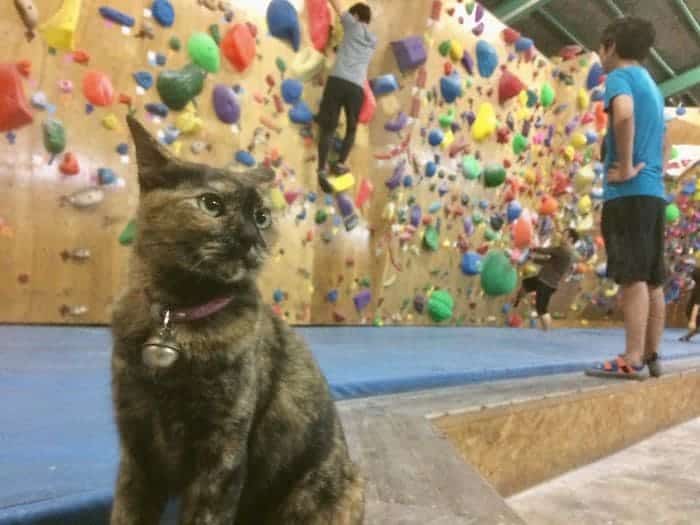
(543, 293)
(633, 229)
(340, 94)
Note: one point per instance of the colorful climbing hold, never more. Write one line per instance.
(486, 58)
(238, 46)
(546, 95)
(204, 52)
(14, 109)
(494, 175)
(177, 88)
(98, 89)
(54, 137)
(509, 86)
(283, 22)
(226, 105)
(440, 306)
(498, 276)
(485, 124)
(163, 12)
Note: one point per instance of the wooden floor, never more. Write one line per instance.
(415, 475)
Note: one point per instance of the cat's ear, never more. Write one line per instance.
(151, 157)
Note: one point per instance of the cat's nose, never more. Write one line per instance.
(248, 234)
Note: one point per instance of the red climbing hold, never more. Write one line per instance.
(522, 232)
(81, 57)
(510, 35)
(319, 23)
(369, 105)
(509, 86)
(548, 205)
(14, 109)
(69, 165)
(98, 89)
(238, 46)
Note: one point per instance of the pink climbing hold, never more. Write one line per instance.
(509, 86)
(98, 89)
(319, 23)
(510, 35)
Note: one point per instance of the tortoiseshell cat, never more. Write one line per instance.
(229, 410)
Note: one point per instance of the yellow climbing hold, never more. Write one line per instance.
(578, 140)
(277, 199)
(583, 99)
(529, 270)
(456, 50)
(530, 176)
(448, 139)
(110, 121)
(177, 148)
(188, 122)
(569, 153)
(485, 123)
(59, 30)
(342, 183)
(585, 204)
(696, 197)
(584, 178)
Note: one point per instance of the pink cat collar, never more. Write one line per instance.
(200, 312)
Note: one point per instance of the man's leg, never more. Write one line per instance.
(655, 322)
(544, 294)
(635, 307)
(327, 118)
(352, 105)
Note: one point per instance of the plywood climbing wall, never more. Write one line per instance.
(64, 264)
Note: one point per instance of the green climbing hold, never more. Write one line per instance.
(431, 239)
(672, 213)
(519, 143)
(215, 33)
(491, 235)
(281, 65)
(204, 52)
(471, 168)
(440, 306)
(477, 218)
(498, 276)
(177, 88)
(175, 44)
(321, 216)
(531, 99)
(447, 119)
(444, 48)
(54, 136)
(129, 234)
(674, 153)
(494, 175)
(547, 95)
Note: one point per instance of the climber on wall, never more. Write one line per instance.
(634, 210)
(344, 88)
(556, 262)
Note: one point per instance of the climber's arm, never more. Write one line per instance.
(336, 5)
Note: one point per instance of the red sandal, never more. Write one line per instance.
(617, 368)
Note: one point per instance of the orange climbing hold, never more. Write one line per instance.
(601, 117)
(238, 46)
(25, 68)
(69, 165)
(548, 205)
(522, 232)
(81, 57)
(98, 89)
(14, 109)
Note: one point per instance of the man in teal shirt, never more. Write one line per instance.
(634, 208)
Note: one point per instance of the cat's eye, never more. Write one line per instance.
(263, 218)
(211, 203)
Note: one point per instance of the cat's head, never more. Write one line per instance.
(198, 220)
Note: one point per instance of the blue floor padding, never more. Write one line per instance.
(58, 450)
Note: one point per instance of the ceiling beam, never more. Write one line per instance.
(512, 10)
(681, 83)
(688, 16)
(556, 24)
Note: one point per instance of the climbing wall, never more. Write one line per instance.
(478, 148)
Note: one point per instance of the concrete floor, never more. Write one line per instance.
(656, 482)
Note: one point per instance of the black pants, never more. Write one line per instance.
(543, 293)
(338, 94)
(634, 229)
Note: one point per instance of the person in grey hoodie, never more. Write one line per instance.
(345, 88)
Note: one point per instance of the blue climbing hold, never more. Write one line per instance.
(123, 148)
(163, 12)
(523, 44)
(487, 58)
(407, 181)
(597, 95)
(595, 74)
(680, 111)
(384, 84)
(332, 296)
(591, 137)
(292, 90)
(106, 176)
(161, 59)
(244, 157)
(451, 87)
(170, 134)
(513, 211)
(158, 109)
(471, 263)
(311, 197)
(278, 296)
(283, 22)
(117, 17)
(435, 137)
(143, 79)
(300, 113)
(430, 169)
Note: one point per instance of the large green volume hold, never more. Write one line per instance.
(177, 88)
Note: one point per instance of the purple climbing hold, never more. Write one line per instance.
(478, 29)
(468, 225)
(470, 117)
(487, 58)
(468, 62)
(398, 123)
(226, 105)
(362, 300)
(395, 180)
(410, 53)
(416, 215)
(419, 302)
(479, 14)
(158, 109)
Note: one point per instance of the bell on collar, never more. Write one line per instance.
(161, 350)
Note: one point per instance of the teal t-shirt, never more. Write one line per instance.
(649, 130)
